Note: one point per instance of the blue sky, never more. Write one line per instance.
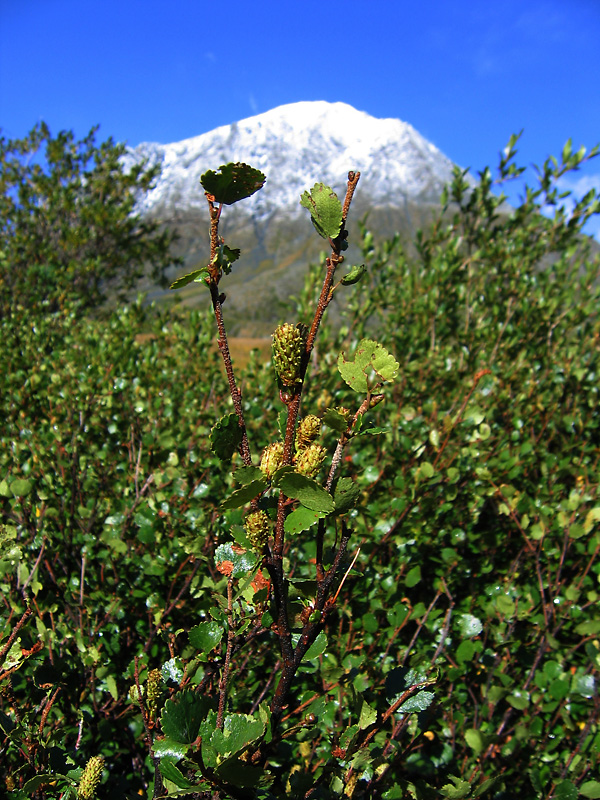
(465, 73)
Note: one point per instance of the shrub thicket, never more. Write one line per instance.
(151, 626)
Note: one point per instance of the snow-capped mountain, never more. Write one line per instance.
(295, 146)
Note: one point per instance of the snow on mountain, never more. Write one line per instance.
(297, 145)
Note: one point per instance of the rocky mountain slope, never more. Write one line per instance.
(296, 145)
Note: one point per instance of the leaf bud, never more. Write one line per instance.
(288, 349)
(345, 412)
(271, 458)
(90, 778)
(136, 696)
(309, 461)
(308, 430)
(258, 527)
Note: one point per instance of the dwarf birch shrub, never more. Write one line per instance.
(368, 568)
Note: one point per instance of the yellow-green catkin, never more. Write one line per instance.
(90, 778)
(271, 459)
(258, 527)
(153, 689)
(309, 461)
(288, 349)
(308, 430)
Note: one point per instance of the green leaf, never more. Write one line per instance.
(413, 577)
(325, 210)
(372, 364)
(485, 787)
(368, 715)
(588, 628)
(239, 730)
(169, 771)
(465, 651)
(21, 487)
(354, 276)
(317, 648)
(475, 740)
(236, 772)
(206, 636)
(225, 256)
(566, 790)
(197, 275)
(167, 748)
(590, 789)
(38, 780)
(306, 490)
(426, 470)
(419, 702)
(346, 495)
(242, 562)
(469, 625)
(302, 519)
(244, 495)
(226, 436)
(232, 182)
(518, 700)
(334, 420)
(459, 790)
(181, 716)
(246, 475)
(172, 670)
(111, 685)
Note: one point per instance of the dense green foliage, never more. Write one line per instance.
(68, 227)
(462, 655)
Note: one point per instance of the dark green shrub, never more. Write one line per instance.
(68, 227)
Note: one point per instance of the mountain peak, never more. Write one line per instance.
(296, 145)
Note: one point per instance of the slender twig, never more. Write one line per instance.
(9, 642)
(46, 711)
(227, 664)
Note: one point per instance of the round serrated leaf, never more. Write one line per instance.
(181, 717)
(232, 182)
(241, 563)
(226, 436)
(244, 495)
(469, 625)
(333, 419)
(245, 475)
(419, 702)
(302, 519)
(239, 730)
(370, 357)
(167, 748)
(206, 636)
(566, 790)
(307, 491)
(191, 276)
(346, 495)
(325, 210)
